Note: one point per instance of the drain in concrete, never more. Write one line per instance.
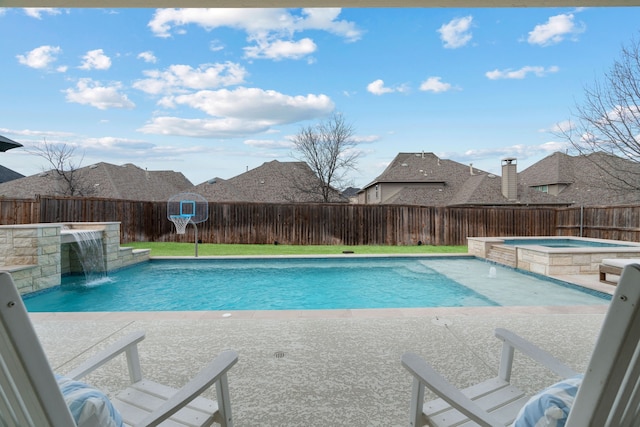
(279, 354)
(441, 321)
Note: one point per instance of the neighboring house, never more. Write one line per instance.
(273, 182)
(128, 182)
(425, 179)
(595, 179)
(557, 180)
(351, 193)
(7, 175)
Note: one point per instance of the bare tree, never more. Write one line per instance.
(607, 123)
(329, 150)
(62, 159)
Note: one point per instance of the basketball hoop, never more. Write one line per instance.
(180, 221)
(185, 208)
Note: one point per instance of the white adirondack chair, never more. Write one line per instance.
(30, 396)
(609, 395)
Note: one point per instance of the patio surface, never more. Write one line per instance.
(324, 368)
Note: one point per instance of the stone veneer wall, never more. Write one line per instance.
(480, 246)
(559, 264)
(556, 261)
(36, 258)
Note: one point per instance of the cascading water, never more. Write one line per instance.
(88, 248)
(492, 272)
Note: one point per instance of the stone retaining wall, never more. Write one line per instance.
(555, 261)
(36, 257)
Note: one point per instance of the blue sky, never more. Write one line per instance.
(210, 93)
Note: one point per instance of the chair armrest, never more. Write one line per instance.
(126, 344)
(215, 371)
(425, 374)
(536, 353)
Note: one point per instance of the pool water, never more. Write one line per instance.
(318, 283)
(563, 243)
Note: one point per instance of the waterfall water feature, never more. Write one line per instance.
(492, 272)
(88, 248)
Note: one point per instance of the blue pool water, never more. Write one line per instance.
(563, 243)
(325, 283)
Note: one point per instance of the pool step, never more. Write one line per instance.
(502, 254)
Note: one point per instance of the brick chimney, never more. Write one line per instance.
(509, 178)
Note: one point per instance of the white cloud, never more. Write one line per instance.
(95, 60)
(36, 133)
(435, 85)
(272, 30)
(555, 30)
(280, 49)
(148, 56)
(216, 46)
(456, 33)
(255, 104)
(269, 144)
(553, 146)
(240, 112)
(561, 127)
(37, 12)
(203, 128)
(622, 114)
(519, 151)
(90, 92)
(178, 78)
(40, 57)
(255, 21)
(521, 73)
(115, 150)
(109, 143)
(326, 19)
(366, 139)
(377, 87)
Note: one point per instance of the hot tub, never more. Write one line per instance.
(552, 255)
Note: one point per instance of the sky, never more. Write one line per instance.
(216, 92)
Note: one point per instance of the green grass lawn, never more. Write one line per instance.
(205, 249)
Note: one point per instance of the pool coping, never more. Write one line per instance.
(323, 314)
(316, 256)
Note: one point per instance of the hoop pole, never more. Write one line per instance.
(194, 224)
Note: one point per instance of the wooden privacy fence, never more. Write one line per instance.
(327, 224)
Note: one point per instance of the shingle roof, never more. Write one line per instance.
(424, 167)
(554, 169)
(128, 182)
(350, 192)
(586, 179)
(590, 180)
(432, 181)
(273, 182)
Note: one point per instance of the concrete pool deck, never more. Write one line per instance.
(324, 367)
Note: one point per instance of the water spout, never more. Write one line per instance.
(88, 248)
(492, 272)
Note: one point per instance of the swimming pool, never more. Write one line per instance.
(310, 283)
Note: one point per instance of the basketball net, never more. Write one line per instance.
(180, 223)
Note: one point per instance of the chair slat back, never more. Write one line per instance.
(609, 394)
(29, 393)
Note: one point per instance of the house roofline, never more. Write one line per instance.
(420, 181)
